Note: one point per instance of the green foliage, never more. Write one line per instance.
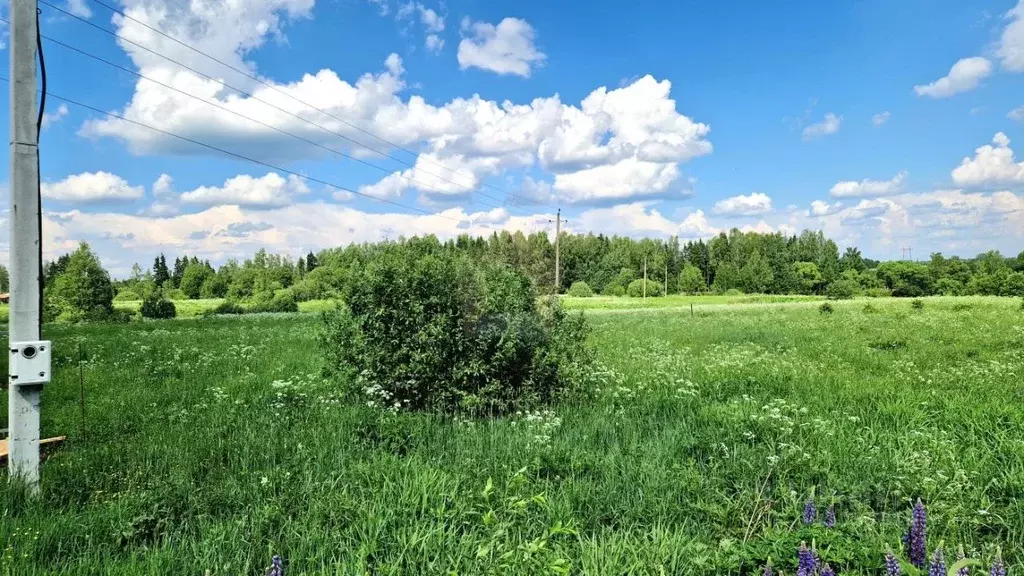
(1013, 285)
(176, 294)
(5, 279)
(157, 307)
(215, 286)
(808, 277)
(826, 308)
(83, 290)
(435, 331)
(613, 290)
(917, 304)
(842, 290)
(906, 279)
(580, 289)
(636, 288)
(193, 279)
(228, 307)
(280, 301)
(691, 280)
(949, 287)
(126, 296)
(202, 454)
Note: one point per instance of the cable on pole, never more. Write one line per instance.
(279, 91)
(243, 157)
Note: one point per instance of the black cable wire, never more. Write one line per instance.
(257, 79)
(244, 157)
(417, 183)
(39, 183)
(505, 201)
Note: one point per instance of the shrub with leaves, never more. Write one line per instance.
(436, 331)
(842, 290)
(917, 304)
(580, 289)
(636, 288)
(825, 308)
(281, 301)
(157, 307)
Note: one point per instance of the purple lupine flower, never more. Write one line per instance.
(827, 571)
(830, 516)
(808, 561)
(916, 538)
(998, 567)
(810, 512)
(768, 569)
(966, 570)
(938, 565)
(276, 566)
(892, 565)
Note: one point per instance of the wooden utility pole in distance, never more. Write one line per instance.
(645, 277)
(558, 237)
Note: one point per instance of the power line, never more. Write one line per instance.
(282, 92)
(243, 157)
(239, 114)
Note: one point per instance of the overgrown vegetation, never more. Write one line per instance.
(157, 307)
(219, 441)
(426, 328)
(580, 289)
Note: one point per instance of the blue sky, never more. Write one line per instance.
(886, 124)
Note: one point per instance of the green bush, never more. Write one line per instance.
(175, 294)
(877, 292)
(82, 292)
(636, 288)
(157, 307)
(227, 307)
(613, 290)
(917, 304)
(436, 331)
(733, 292)
(842, 290)
(580, 289)
(279, 301)
(126, 296)
(826, 308)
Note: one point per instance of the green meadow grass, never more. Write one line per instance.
(212, 444)
(679, 301)
(193, 308)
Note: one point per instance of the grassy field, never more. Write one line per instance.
(679, 301)
(212, 444)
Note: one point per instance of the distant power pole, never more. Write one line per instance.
(558, 237)
(645, 277)
(666, 279)
(26, 372)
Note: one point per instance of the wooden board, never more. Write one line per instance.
(43, 442)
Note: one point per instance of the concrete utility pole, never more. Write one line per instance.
(558, 239)
(23, 406)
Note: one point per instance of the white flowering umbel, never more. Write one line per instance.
(539, 426)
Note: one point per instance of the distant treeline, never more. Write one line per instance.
(738, 261)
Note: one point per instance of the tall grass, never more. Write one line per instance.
(212, 444)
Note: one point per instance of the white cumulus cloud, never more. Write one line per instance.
(51, 118)
(79, 8)
(880, 118)
(91, 187)
(964, 76)
(1016, 114)
(867, 187)
(828, 125)
(243, 190)
(744, 205)
(1010, 49)
(991, 165)
(507, 48)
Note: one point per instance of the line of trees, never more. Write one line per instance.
(748, 262)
